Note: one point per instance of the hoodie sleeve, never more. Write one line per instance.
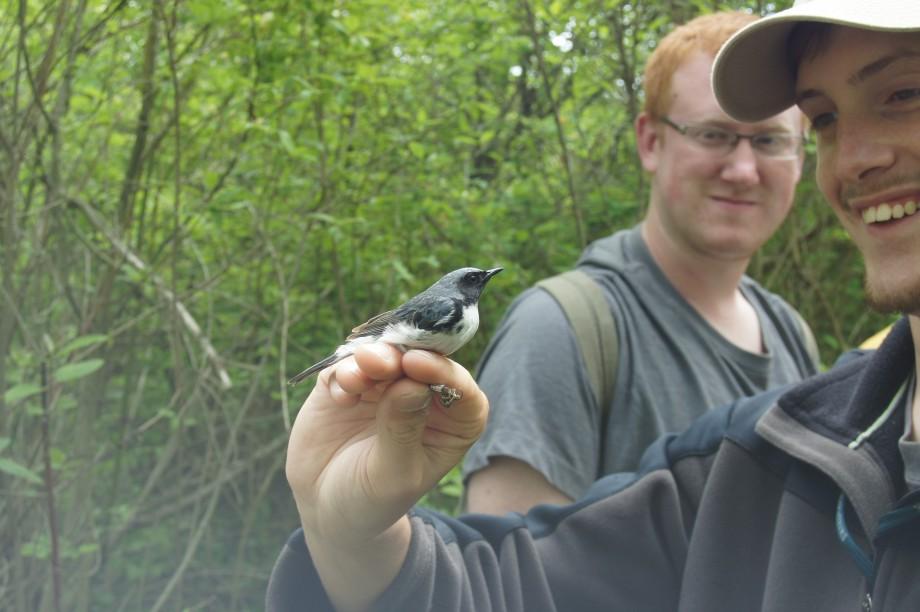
(625, 546)
(621, 547)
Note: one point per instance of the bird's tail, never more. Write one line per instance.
(316, 367)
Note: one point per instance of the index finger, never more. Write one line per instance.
(363, 375)
(433, 369)
(379, 361)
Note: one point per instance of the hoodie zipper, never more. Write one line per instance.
(862, 558)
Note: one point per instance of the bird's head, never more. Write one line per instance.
(467, 281)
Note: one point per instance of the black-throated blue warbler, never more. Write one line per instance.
(442, 318)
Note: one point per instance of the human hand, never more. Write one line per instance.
(371, 439)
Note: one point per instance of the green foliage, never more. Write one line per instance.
(199, 198)
(73, 371)
(20, 392)
(448, 495)
(18, 471)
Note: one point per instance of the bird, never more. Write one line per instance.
(442, 318)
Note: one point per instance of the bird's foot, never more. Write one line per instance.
(447, 395)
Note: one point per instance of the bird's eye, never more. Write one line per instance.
(474, 279)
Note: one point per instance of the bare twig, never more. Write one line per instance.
(159, 284)
(148, 95)
(557, 118)
(49, 491)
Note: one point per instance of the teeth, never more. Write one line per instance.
(885, 212)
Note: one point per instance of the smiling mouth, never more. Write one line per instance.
(883, 212)
(735, 201)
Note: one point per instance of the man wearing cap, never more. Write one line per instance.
(806, 499)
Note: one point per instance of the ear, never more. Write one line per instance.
(799, 163)
(647, 141)
(803, 126)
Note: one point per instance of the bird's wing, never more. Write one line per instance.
(429, 313)
(434, 314)
(375, 325)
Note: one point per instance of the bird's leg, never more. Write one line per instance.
(447, 395)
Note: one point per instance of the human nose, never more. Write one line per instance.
(859, 151)
(740, 164)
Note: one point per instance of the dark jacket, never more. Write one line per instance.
(765, 505)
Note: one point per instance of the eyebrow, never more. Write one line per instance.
(770, 126)
(880, 64)
(865, 72)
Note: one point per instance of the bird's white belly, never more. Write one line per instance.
(445, 343)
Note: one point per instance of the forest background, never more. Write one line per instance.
(200, 198)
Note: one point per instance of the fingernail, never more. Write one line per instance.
(417, 407)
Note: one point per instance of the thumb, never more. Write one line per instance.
(402, 416)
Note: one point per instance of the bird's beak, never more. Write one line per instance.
(492, 272)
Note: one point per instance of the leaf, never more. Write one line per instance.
(80, 342)
(4, 442)
(417, 149)
(57, 458)
(73, 371)
(323, 217)
(402, 271)
(454, 489)
(19, 471)
(286, 142)
(65, 402)
(21, 391)
(38, 550)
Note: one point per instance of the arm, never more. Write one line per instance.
(542, 441)
(620, 548)
(509, 485)
(368, 442)
(624, 546)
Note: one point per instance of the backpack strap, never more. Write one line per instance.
(810, 343)
(595, 329)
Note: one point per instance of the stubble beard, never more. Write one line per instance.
(887, 301)
(883, 299)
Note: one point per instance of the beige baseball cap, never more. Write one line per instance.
(752, 76)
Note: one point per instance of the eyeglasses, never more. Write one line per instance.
(775, 145)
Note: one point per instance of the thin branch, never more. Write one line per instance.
(95, 217)
(560, 132)
(49, 492)
(148, 95)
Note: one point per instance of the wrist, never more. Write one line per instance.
(356, 572)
